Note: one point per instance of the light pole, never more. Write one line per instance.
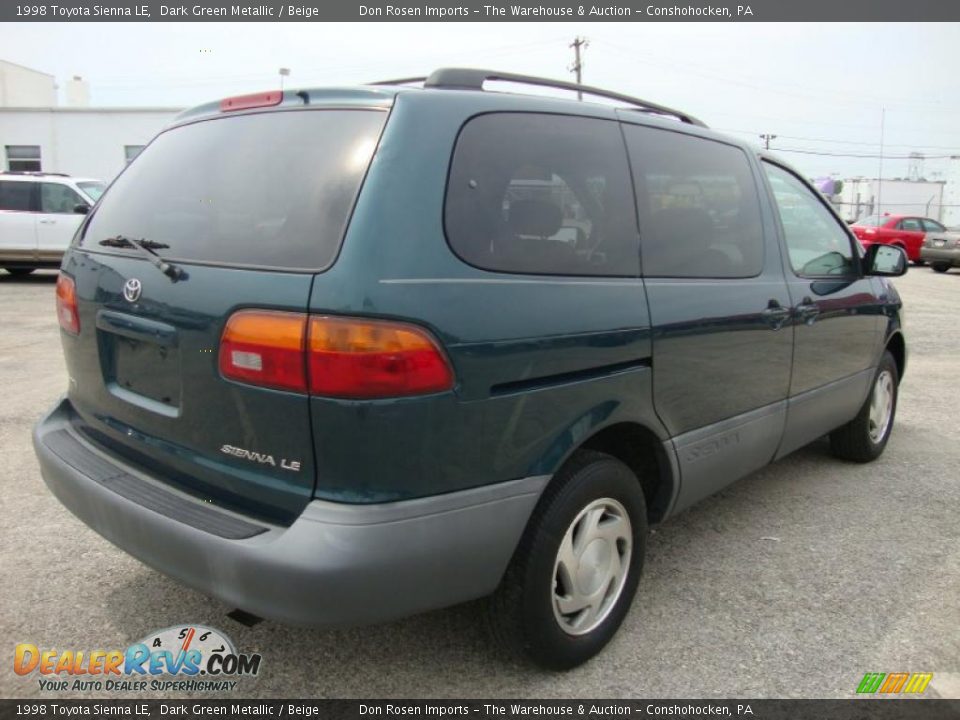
(284, 72)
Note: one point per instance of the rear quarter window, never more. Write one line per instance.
(272, 190)
(542, 194)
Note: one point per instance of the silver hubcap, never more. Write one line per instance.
(881, 406)
(592, 566)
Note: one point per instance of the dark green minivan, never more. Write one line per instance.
(338, 356)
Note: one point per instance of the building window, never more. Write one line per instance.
(131, 151)
(23, 158)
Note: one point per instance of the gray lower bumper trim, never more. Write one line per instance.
(67, 446)
(335, 565)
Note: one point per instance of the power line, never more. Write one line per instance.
(776, 86)
(912, 146)
(872, 156)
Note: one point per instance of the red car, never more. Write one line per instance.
(904, 230)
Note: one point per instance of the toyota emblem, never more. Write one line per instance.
(131, 290)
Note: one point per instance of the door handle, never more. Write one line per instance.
(775, 315)
(807, 311)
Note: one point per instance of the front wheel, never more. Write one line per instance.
(575, 573)
(940, 267)
(864, 438)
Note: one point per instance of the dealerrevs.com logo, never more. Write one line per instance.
(187, 658)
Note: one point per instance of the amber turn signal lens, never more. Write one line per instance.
(67, 313)
(264, 347)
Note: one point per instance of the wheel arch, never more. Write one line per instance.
(898, 348)
(645, 452)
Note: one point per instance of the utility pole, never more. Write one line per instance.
(883, 121)
(767, 137)
(577, 67)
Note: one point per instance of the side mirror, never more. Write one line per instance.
(885, 260)
(81, 208)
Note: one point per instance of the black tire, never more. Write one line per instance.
(521, 612)
(853, 441)
(919, 262)
(940, 267)
(19, 271)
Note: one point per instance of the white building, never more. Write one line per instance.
(24, 87)
(38, 135)
(860, 197)
(86, 142)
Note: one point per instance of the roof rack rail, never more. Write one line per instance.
(399, 81)
(473, 79)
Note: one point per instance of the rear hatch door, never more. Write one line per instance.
(247, 208)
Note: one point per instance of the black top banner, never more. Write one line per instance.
(482, 11)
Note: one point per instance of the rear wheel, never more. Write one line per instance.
(575, 572)
(940, 267)
(864, 438)
(19, 271)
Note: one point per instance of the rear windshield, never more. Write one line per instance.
(271, 189)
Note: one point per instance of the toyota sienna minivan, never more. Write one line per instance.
(338, 356)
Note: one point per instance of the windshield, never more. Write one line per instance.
(92, 189)
(270, 189)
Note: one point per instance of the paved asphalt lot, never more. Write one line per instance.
(793, 582)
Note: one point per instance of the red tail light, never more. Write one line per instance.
(67, 313)
(342, 357)
(263, 347)
(353, 358)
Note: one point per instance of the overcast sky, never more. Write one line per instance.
(818, 87)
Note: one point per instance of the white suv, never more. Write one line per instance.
(39, 213)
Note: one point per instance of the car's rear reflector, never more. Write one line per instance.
(254, 100)
(67, 314)
(353, 358)
(264, 347)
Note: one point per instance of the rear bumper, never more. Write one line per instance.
(950, 255)
(336, 564)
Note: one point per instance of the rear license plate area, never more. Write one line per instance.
(147, 369)
(140, 360)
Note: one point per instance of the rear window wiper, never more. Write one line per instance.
(149, 249)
